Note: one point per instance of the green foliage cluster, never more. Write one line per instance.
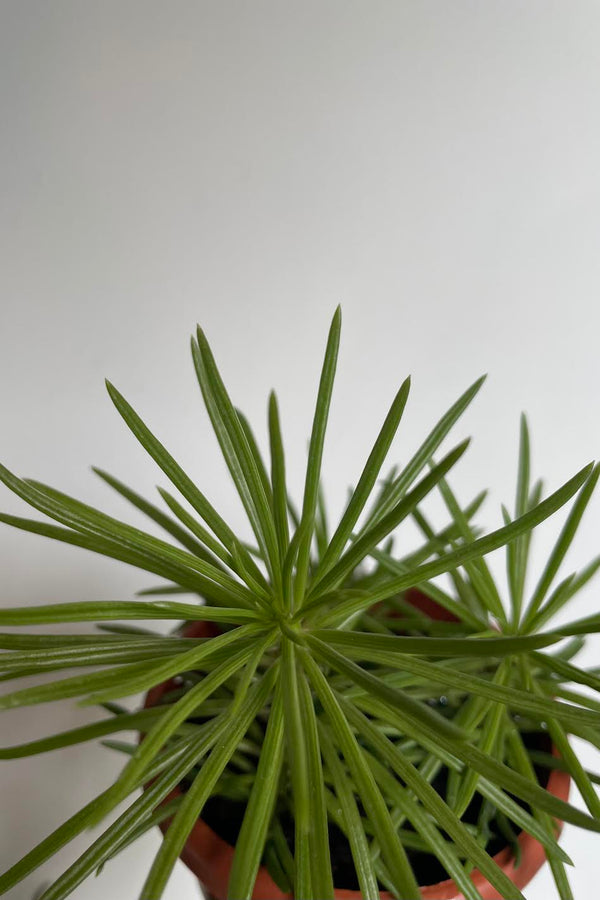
(326, 697)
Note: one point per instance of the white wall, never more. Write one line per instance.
(433, 166)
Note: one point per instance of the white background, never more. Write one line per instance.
(433, 166)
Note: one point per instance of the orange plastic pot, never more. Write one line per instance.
(210, 858)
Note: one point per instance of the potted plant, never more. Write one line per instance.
(330, 719)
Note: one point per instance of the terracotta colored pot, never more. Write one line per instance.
(210, 858)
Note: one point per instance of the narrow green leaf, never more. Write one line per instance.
(399, 725)
(477, 570)
(278, 479)
(429, 446)
(567, 671)
(344, 789)
(563, 593)
(518, 570)
(438, 542)
(321, 524)
(257, 455)
(315, 454)
(162, 590)
(372, 799)
(298, 766)
(89, 655)
(173, 716)
(129, 821)
(505, 777)
(65, 833)
(462, 612)
(160, 815)
(523, 819)
(363, 545)
(358, 642)
(248, 572)
(525, 766)
(523, 701)
(88, 520)
(112, 549)
(193, 525)
(562, 544)
(586, 626)
(283, 854)
(111, 610)
(130, 630)
(9, 640)
(236, 450)
(321, 878)
(467, 595)
(124, 680)
(560, 879)
(434, 843)
(576, 770)
(200, 790)
(548, 761)
(458, 557)
(366, 481)
(198, 658)
(490, 731)
(157, 515)
(495, 771)
(432, 802)
(82, 517)
(257, 817)
(402, 701)
(171, 468)
(139, 721)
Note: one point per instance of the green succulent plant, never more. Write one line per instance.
(327, 700)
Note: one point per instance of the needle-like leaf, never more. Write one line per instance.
(201, 788)
(402, 701)
(188, 747)
(321, 877)
(109, 610)
(562, 544)
(132, 818)
(366, 481)
(171, 468)
(402, 482)
(363, 545)
(518, 554)
(298, 765)
(434, 804)
(257, 818)
(433, 673)
(278, 480)
(493, 770)
(477, 570)
(562, 594)
(315, 454)
(393, 851)
(157, 515)
(458, 557)
(237, 452)
(173, 716)
(344, 789)
(138, 721)
(114, 550)
(124, 680)
(362, 645)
